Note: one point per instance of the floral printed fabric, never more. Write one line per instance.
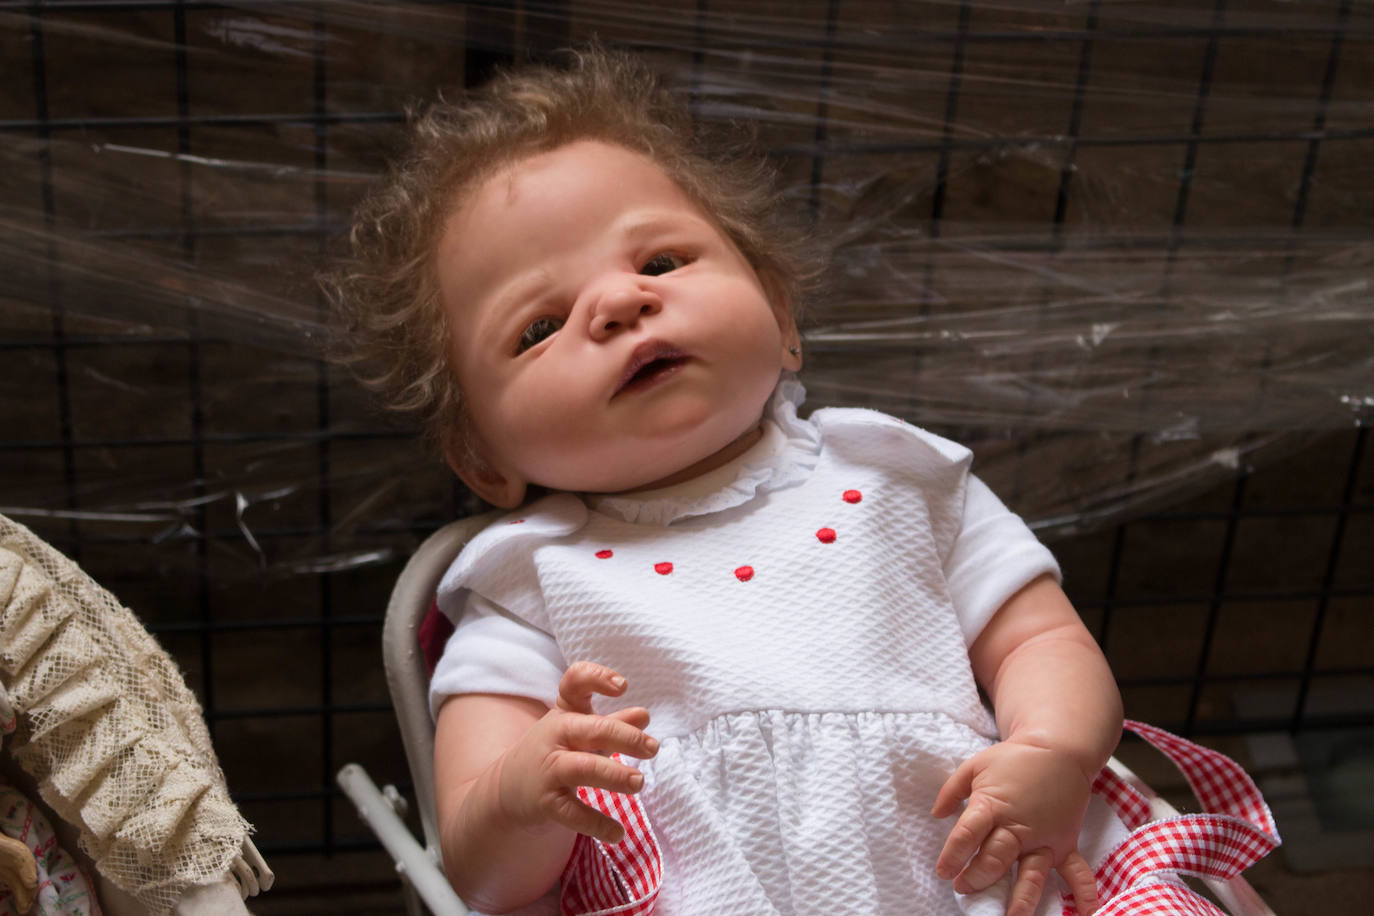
(62, 888)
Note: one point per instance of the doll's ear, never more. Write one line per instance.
(791, 343)
(502, 487)
(791, 336)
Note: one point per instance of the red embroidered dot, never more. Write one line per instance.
(825, 535)
(604, 554)
(852, 496)
(518, 521)
(663, 568)
(744, 573)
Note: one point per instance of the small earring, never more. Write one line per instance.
(794, 350)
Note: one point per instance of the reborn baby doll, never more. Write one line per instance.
(595, 321)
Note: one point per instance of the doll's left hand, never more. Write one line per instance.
(1025, 807)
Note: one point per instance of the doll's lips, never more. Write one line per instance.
(650, 362)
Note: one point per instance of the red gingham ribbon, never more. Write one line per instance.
(1219, 783)
(1125, 799)
(1161, 899)
(624, 878)
(1236, 832)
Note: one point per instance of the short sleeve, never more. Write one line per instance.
(492, 651)
(994, 556)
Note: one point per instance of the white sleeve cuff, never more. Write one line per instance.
(994, 557)
(491, 651)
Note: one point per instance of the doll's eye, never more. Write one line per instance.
(662, 263)
(539, 329)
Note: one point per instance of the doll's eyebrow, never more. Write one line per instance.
(506, 308)
(524, 289)
(651, 224)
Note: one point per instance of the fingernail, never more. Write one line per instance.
(617, 681)
(651, 744)
(636, 782)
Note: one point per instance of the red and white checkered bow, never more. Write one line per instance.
(623, 879)
(1234, 832)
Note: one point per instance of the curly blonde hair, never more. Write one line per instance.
(391, 323)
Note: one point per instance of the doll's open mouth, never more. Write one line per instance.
(650, 363)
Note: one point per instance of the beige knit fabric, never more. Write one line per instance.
(109, 730)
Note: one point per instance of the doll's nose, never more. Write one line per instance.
(620, 304)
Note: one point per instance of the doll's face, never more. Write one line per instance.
(606, 335)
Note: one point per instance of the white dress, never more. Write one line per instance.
(797, 624)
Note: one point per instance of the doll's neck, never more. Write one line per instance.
(708, 464)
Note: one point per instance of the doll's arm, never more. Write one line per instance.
(1059, 713)
(506, 773)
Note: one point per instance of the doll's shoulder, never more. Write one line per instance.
(498, 561)
(875, 437)
(520, 530)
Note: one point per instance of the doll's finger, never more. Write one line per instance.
(635, 716)
(964, 839)
(584, 679)
(957, 788)
(607, 735)
(995, 858)
(1078, 875)
(596, 771)
(569, 811)
(246, 878)
(1032, 871)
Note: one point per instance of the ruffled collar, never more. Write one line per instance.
(783, 456)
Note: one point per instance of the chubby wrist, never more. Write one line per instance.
(1088, 755)
(508, 819)
(484, 812)
(496, 859)
(1085, 726)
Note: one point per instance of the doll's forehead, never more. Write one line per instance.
(596, 163)
(556, 196)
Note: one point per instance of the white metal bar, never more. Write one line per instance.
(412, 861)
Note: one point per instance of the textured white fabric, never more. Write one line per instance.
(809, 708)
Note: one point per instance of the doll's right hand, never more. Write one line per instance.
(569, 747)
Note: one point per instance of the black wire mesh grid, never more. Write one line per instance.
(1218, 604)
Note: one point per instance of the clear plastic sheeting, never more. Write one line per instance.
(1122, 249)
